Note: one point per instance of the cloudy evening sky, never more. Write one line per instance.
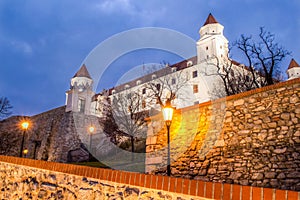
(44, 42)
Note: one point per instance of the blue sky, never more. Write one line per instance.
(43, 43)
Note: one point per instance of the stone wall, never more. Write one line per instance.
(54, 135)
(250, 139)
(34, 179)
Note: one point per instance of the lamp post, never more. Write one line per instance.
(91, 130)
(168, 115)
(24, 126)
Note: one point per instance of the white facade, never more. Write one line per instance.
(196, 77)
(195, 85)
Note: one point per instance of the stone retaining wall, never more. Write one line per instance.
(250, 139)
(33, 179)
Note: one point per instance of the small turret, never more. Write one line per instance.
(293, 70)
(79, 96)
(212, 42)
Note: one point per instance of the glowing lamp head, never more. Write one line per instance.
(91, 129)
(168, 112)
(25, 125)
(25, 151)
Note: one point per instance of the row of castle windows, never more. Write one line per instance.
(173, 80)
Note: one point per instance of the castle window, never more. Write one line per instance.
(143, 104)
(126, 87)
(153, 76)
(113, 91)
(247, 78)
(195, 88)
(173, 69)
(81, 105)
(221, 47)
(138, 82)
(206, 48)
(144, 91)
(207, 56)
(196, 102)
(173, 81)
(158, 87)
(195, 74)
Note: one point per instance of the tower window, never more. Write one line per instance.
(81, 105)
(206, 48)
(195, 88)
(173, 81)
(195, 74)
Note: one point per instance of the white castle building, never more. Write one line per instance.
(191, 81)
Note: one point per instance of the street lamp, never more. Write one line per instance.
(91, 130)
(168, 115)
(24, 126)
(25, 152)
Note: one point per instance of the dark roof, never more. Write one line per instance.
(293, 64)
(210, 20)
(82, 72)
(159, 73)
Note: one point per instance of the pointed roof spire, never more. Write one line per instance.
(82, 72)
(293, 64)
(210, 20)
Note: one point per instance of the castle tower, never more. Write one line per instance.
(212, 42)
(293, 70)
(79, 96)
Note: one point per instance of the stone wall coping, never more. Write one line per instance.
(234, 97)
(157, 182)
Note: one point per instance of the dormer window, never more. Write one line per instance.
(113, 92)
(126, 87)
(173, 69)
(154, 76)
(189, 63)
(138, 82)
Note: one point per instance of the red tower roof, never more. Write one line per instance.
(82, 72)
(293, 64)
(210, 20)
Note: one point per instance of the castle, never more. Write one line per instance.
(195, 76)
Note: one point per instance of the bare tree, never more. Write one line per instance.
(263, 56)
(234, 77)
(5, 107)
(167, 84)
(128, 114)
(262, 65)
